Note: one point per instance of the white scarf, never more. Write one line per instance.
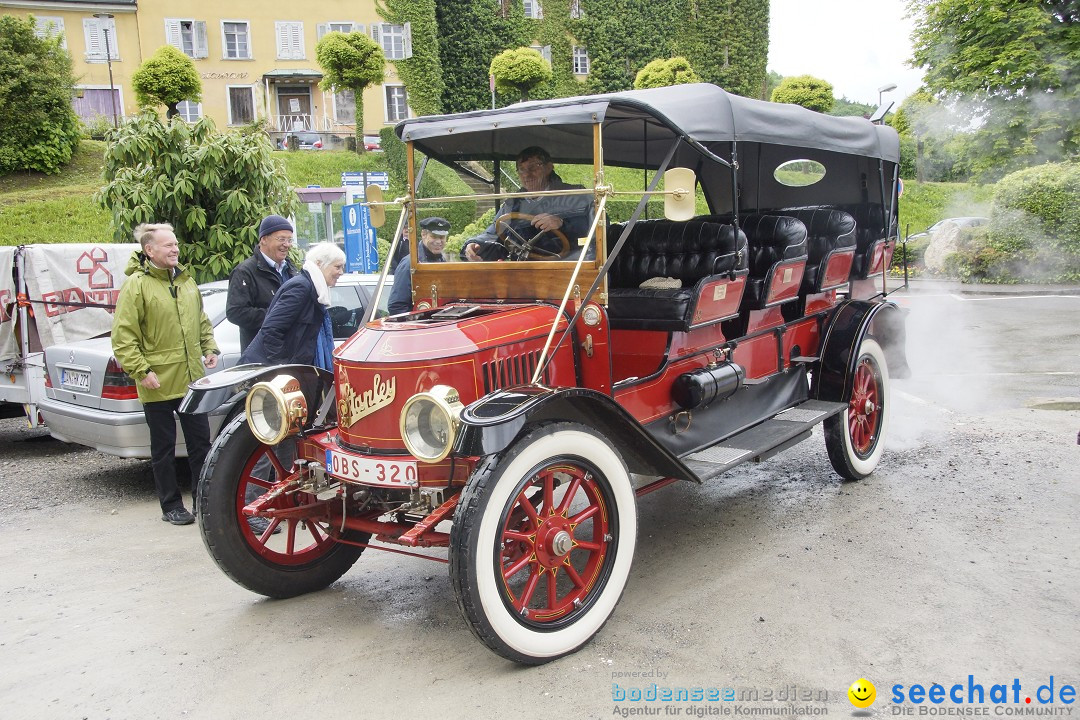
(319, 281)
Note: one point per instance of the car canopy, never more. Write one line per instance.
(639, 127)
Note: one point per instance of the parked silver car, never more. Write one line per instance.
(960, 222)
(91, 401)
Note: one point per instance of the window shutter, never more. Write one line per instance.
(282, 39)
(95, 47)
(296, 33)
(172, 34)
(202, 47)
(321, 29)
(406, 37)
(376, 31)
(545, 52)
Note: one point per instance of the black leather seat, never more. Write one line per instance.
(828, 231)
(692, 252)
(772, 239)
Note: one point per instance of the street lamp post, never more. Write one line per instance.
(884, 89)
(108, 61)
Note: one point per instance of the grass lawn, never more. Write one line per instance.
(923, 204)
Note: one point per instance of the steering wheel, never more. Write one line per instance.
(521, 248)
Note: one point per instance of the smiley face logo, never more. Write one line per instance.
(862, 693)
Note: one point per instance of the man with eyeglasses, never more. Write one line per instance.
(254, 282)
(534, 228)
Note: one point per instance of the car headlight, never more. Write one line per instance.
(430, 421)
(276, 409)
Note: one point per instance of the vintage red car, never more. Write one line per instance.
(518, 412)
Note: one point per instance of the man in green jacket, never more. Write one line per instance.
(163, 339)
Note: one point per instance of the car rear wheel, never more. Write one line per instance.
(542, 543)
(301, 558)
(855, 437)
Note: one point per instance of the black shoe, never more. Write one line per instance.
(179, 516)
(258, 526)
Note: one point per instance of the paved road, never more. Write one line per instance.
(958, 557)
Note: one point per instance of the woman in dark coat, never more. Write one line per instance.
(297, 327)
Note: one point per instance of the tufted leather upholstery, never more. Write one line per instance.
(771, 238)
(870, 230)
(690, 251)
(827, 230)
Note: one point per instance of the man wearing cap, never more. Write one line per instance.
(433, 232)
(254, 282)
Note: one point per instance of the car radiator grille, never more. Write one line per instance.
(512, 370)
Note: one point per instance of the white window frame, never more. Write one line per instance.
(95, 50)
(225, 40)
(381, 32)
(575, 9)
(292, 31)
(386, 104)
(229, 107)
(174, 32)
(579, 58)
(533, 9)
(198, 108)
(544, 50)
(42, 29)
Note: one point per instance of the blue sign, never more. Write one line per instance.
(361, 252)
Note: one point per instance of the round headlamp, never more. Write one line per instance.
(430, 421)
(276, 409)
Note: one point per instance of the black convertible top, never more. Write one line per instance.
(639, 125)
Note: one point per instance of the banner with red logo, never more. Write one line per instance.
(73, 288)
(9, 341)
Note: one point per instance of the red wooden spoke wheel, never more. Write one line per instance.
(303, 558)
(542, 542)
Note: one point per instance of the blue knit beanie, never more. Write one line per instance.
(273, 223)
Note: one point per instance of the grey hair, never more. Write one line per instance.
(144, 233)
(324, 253)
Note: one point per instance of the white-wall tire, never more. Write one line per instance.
(855, 438)
(492, 534)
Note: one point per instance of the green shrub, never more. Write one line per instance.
(40, 129)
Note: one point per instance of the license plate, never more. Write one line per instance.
(371, 470)
(75, 379)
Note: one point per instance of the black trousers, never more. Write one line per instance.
(160, 419)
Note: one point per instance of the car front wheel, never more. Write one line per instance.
(542, 543)
(855, 437)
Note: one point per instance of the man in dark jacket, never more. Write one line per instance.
(254, 282)
(433, 232)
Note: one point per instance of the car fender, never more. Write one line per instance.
(492, 424)
(852, 321)
(224, 393)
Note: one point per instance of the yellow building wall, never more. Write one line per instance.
(140, 33)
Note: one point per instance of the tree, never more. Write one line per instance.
(421, 73)
(727, 41)
(40, 129)
(471, 33)
(351, 62)
(850, 108)
(213, 187)
(772, 81)
(806, 90)
(622, 37)
(168, 77)
(519, 71)
(1009, 68)
(661, 73)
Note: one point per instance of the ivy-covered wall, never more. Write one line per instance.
(726, 42)
(422, 73)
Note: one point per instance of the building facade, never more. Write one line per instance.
(256, 59)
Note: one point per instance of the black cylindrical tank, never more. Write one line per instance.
(707, 385)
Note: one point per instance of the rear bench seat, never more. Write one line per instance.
(831, 244)
(709, 258)
(777, 259)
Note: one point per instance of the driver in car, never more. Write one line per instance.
(537, 227)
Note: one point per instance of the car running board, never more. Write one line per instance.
(763, 440)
